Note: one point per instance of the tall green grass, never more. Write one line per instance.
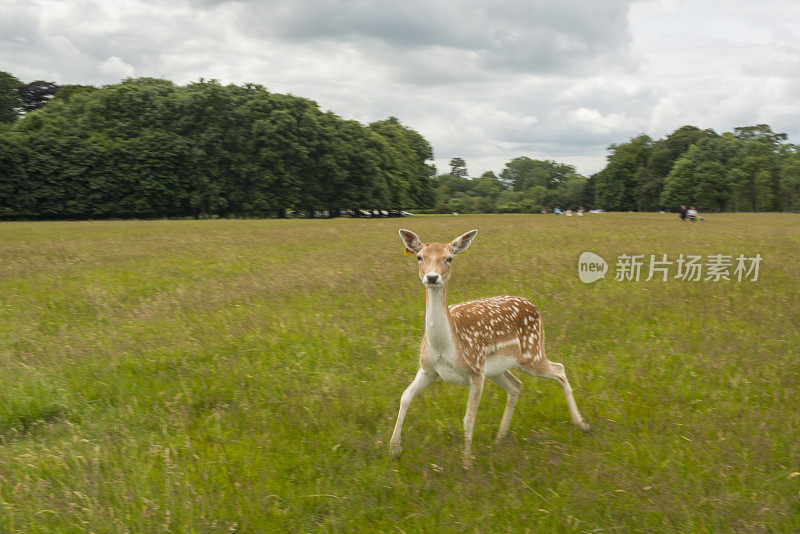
(229, 375)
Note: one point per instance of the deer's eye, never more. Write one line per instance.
(419, 258)
(448, 260)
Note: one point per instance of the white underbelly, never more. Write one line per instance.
(451, 375)
(499, 364)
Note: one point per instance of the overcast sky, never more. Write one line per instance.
(486, 81)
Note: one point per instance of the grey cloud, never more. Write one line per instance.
(512, 35)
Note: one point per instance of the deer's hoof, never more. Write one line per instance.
(583, 425)
(395, 450)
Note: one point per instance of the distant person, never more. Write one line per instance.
(692, 213)
(580, 211)
(683, 213)
(556, 211)
(568, 213)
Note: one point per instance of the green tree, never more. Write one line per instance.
(411, 155)
(588, 193)
(757, 167)
(523, 173)
(13, 175)
(663, 154)
(66, 92)
(487, 186)
(536, 199)
(570, 194)
(760, 132)
(790, 182)
(458, 168)
(509, 202)
(702, 176)
(711, 192)
(617, 183)
(10, 104)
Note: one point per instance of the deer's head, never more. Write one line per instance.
(434, 259)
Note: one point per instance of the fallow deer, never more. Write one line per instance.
(469, 342)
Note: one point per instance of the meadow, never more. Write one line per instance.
(245, 375)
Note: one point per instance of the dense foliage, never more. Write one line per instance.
(10, 102)
(750, 169)
(149, 148)
(524, 186)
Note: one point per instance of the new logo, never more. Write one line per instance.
(591, 267)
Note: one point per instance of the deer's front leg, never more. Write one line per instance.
(475, 392)
(420, 382)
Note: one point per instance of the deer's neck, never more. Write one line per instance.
(438, 325)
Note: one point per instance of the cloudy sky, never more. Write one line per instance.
(486, 81)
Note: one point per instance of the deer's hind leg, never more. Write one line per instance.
(512, 386)
(555, 371)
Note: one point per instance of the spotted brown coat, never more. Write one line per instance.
(469, 342)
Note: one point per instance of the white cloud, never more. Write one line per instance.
(114, 67)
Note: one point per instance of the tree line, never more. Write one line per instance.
(749, 169)
(149, 148)
(524, 186)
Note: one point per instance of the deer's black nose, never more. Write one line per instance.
(432, 278)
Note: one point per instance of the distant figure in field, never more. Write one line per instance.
(692, 213)
(556, 211)
(683, 213)
(580, 211)
(568, 213)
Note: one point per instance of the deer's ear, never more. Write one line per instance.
(461, 243)
(411, 241)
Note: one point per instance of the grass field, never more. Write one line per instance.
(231, 375)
